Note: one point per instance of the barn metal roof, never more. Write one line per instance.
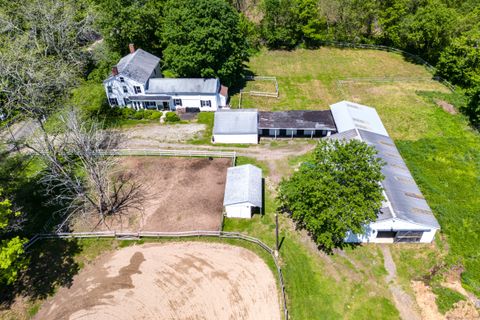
(349, 115)
(297, 119)
(183, 85)
(239, 121)
(138, 66)
(244, 185)
(402, 193)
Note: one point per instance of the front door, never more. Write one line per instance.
(166, 106)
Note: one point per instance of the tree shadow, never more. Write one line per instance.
(51, 264)
(241, 82)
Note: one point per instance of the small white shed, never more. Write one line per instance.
(236, 126)
(243, 191)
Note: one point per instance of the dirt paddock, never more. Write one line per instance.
(181, 194)
(180, 280)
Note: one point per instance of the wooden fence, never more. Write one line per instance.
(173, 153)
(185, 234)
(259, 93)
(411, 56)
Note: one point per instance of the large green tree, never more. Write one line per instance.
(336, 191)
(204, 38)
(131, 21)
(460, 62)
(12, 259)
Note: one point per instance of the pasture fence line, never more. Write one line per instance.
(182, 234)
(412, 56)
(259, 93)
(172, 153)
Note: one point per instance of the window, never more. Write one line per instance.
(125, 89)
(122, 79)
(126, 101)
(150, 104)
(137, 89)
(205, 103)
(177, 102)
(109, 89)
(113, 101)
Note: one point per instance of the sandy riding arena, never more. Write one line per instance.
(182, 280)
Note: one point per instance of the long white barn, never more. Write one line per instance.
(405, 215)
(136, 82)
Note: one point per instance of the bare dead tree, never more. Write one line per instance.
(80, 172)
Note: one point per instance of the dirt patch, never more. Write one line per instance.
(446, 106)
(426, 299)
(189, 280)
(183, 193)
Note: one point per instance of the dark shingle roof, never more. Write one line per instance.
(306, 120)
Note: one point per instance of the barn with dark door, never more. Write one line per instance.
(297, 123)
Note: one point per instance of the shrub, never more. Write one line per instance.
(139, 114)
(127, 113)
(155, 115)
(172, 117)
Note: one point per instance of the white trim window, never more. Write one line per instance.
(125, 89)
(122, 79)
(113, 101)
(137, 89)
(177, 102)
(109, 89)
(205, 103)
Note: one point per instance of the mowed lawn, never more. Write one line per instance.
(440, 149)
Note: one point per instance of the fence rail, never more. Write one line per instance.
(259, 93)
(412, 56)
(150, 234)
(172, 153)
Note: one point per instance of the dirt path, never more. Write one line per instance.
(404, 303)
(183, 280)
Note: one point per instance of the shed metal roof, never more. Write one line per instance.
(240, 121)
(138, 66)
(297, 119)
(183, 85)
(244, 185)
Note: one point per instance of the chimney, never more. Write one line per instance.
(131, 46)
(114, 70)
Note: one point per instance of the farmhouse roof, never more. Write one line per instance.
(298, 119)
(150, 98)
(138, 66)
(241, 121)
(183, 85)
(404, 199)
(244, 185)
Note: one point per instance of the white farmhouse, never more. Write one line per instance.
(243, 191)
(137, 82)
(405, 215)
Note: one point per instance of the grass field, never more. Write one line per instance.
(440, 149)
